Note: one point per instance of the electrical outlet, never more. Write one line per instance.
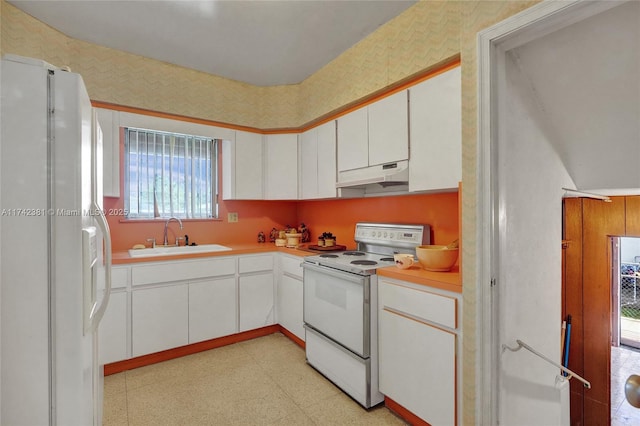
(232, 217)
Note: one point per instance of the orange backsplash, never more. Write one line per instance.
(440, 211)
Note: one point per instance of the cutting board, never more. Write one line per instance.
(331, 248)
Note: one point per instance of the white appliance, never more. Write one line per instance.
(55, 274)
(341, 306)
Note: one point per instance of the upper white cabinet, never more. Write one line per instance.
(242, 167)
(110, 124)
(317, 149)
(375, 134)
(353, 140)
(389, 129)
(281, 167)
(436, 133)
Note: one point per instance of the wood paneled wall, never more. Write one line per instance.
(588, 224)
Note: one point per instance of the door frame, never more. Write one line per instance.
(492, 45)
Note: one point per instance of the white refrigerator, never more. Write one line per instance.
(55, 248)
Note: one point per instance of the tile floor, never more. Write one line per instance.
(264, 381)
(624, 362)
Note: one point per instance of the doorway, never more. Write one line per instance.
(625, 290)
(548, 123)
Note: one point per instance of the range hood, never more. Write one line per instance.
(381, 178)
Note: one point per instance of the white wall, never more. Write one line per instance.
(531, 176)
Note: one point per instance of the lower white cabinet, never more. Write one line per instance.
(212, 309)
(290, 305)
(289, 295)
(256, 301)
(160, 318)
(417, 353)
(112, 332)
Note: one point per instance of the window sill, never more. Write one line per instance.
(162, 220)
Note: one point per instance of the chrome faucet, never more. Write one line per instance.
(166, 225)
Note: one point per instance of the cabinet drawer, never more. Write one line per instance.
(419, 303)
(292, 266)
(182, 271)
(119, 277)
(255, 263)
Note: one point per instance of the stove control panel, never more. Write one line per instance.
(392, 234)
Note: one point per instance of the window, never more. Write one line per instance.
(170, 174)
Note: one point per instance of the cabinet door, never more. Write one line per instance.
(112, 331)
(256, 301)
(309, 164)
(327, 160)
(290, 305)
(353, 140)
(417, 367)
(281, 181)
(212, 309)
(436, 133)
(389, 129)
(248, 166)
(160, 318)
(110, 124)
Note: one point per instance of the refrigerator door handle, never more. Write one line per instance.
(98, 311)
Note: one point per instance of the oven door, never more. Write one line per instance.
(336, 304)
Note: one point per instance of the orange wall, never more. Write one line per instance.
(336, 216)
(440, 211)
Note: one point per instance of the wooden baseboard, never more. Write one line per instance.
(141, 361)
(292, 336)
(405, 414)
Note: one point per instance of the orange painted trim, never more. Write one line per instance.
(405, 414)
(144, 360)
(298, 341)
(431, 72)
(170, 116)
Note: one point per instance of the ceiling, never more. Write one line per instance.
(264, 43)
(585, 79)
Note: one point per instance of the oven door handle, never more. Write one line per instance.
(343, 275)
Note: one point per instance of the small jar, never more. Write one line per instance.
(329, 242)
(320, 242)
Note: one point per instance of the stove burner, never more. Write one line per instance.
(364, 262)
(386, 259)
(331, 256)
(353, 253)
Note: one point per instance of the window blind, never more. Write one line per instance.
(170, 174)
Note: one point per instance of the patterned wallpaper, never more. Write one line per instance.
(425, 34)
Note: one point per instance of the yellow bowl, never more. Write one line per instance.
(437, 258)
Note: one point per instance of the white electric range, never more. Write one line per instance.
(340, 306)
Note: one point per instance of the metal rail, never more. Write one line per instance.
(570, 373)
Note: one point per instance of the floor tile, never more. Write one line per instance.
(263, 381)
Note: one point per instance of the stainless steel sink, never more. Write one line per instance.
(175, 250)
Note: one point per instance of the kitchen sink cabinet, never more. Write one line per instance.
(113, 331)
(281, 167)
(417, 337)
(242, 167)
(160, 318)
(389, 129)
(213, 309)
(436, 133)
(317, 149)
(289, 295)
